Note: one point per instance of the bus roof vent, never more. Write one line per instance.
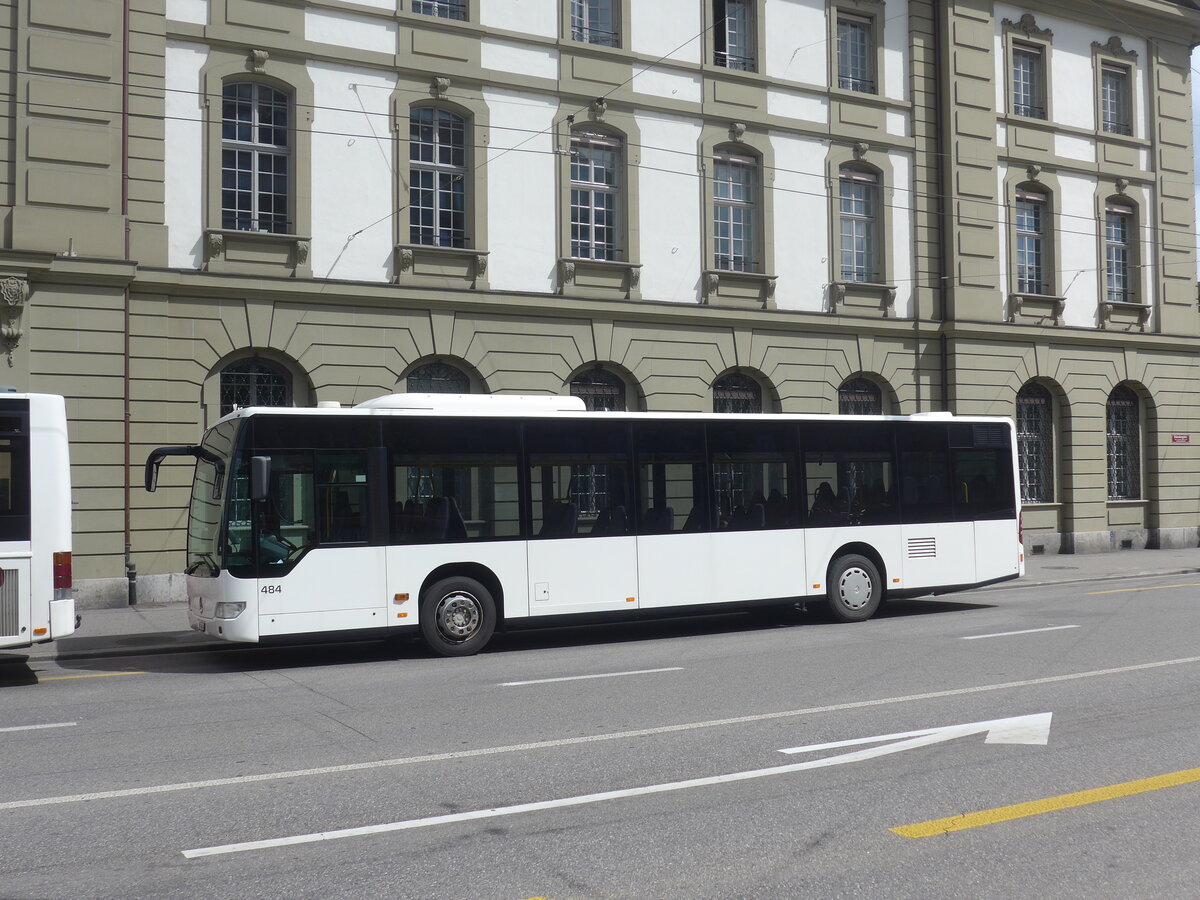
(328, 404)
(492, 403)
(934, 414)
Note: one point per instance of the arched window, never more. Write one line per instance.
(438, 378)
(254, 382)
(735, 201)
(437, 151)
(737, 393)
(1035, 443)
(601, 391)
(596, 187)
(860, 397)
(255, 158)
(858, 191)
(1124, 429)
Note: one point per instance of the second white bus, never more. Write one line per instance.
(456, 515)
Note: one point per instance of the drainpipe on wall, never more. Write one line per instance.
(944, 95)
(130, 567)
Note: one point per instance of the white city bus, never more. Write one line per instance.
(37, 602)
(457, 514)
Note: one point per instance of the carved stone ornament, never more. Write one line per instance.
(258, 61)
(481, 261)
(737, 131)
(635, 277)
(597, 108)
(837, 294)
(1114, 47)
(1122, 185)
(769, 289)
(1032, 172)
(15, 291)
(439, 86)
(215, 244)
(712, 281)
(568, 272)
(860, 149)
(406, 259)
(302, 250)
(1028, 26)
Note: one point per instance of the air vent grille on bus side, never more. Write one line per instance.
(922, 548)
(10, 600)
(990, 436)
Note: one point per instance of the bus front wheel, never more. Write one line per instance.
(854, 588)
(458, 616)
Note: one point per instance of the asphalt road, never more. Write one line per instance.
(639, 761)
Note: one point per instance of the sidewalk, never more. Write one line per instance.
(156, 628)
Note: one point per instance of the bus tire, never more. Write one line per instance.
(458, 616)
(854, 588)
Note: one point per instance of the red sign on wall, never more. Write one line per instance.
(1181, 439)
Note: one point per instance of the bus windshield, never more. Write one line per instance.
(209, 486)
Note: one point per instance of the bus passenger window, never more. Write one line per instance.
(671, 477)
(342, 497)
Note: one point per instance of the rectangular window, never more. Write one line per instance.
(443, 9)
(849, 475)
(1114, 99)
(857, 217)
(1118, 228)
(671, 480)
(453, 480)
(1031, 230)
(437, 150)
(592, 22)
(754, 475)
(578, 479)
(14, 475)
(855, 54)
(594, 191)
(734, 193)
(733, 34)
(1028, 79)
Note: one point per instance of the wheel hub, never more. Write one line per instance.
(459, 616)
(854, 588)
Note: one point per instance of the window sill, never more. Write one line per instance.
(1115, 314)
(462, 268)
(861, 297)
(1041, 506)
(603, 279)
(752, 290)
(1036, 306)
(1117, 504)
(256, 253)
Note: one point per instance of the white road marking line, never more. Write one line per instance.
(591, 738)
(584, 677)
(34, 727)
(980, 637)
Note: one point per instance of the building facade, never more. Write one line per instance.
(791, 205)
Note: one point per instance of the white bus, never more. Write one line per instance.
(37, 602)
(458, 514)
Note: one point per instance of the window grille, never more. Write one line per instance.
(443, 9)
(734, 195)
(858, 194)
(733, 34)
(1035, 443)
(1027, 88)
(438, 378)
(856, 70)
(592, 22)
(737, 393)
(1124, 445)
(600, 391)
(860, 397)
(1031, 229)
(1118, 226)
(255, 158)
(437, 151)
(1114, 100)
(254, 382)
(595, 191)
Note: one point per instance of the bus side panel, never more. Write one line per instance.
(758, 565)
(582, 575)
(822, 544)
(409, 565)
(997, 550)
(677, 569)
(16, 628)
(50, 477)
(937, 554)
(331, 589)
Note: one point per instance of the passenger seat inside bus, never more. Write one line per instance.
(560, 520)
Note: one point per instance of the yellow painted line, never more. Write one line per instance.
(1049, 804)
(1165, 587)
(93, 675)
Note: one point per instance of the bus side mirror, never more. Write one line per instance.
(152, 465)
(260, 477)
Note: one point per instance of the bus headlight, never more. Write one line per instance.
(229, 610)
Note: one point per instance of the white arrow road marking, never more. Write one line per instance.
(35, 727)
(1032, 729)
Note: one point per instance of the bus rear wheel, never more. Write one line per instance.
(458, 616)
(854, 588)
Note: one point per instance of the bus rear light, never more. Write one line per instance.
(229, 610)
(62, 571)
